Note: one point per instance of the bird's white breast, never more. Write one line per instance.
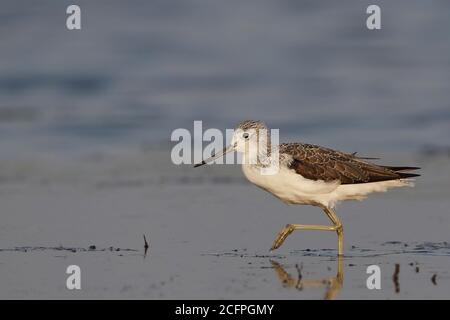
(292, 188)
(289, 186)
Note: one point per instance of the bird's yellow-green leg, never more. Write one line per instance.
(289, 228)
(337, 226)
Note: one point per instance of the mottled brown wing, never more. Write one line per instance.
(319, 163)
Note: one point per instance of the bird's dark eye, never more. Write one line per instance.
(245, 135)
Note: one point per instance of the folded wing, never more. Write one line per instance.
(318, 163)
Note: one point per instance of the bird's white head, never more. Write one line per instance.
(248, 134)
(248, 137)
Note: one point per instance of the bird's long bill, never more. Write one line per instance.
(215, 156)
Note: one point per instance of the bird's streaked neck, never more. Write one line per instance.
(257, 154)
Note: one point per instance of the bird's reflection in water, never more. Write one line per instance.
(332, 284)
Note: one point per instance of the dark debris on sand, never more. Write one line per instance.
(91, 248)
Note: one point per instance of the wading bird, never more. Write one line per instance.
(310, 174)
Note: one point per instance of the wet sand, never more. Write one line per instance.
(209, 233)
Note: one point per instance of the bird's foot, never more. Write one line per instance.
(282, 235)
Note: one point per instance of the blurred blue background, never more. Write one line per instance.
(139, 69)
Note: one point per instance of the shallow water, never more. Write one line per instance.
(137, 71)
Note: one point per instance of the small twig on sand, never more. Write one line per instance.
(395, 278)
(433, 279)
(145, 244)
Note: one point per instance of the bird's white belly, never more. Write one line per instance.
(289, 186)
(292, 188)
